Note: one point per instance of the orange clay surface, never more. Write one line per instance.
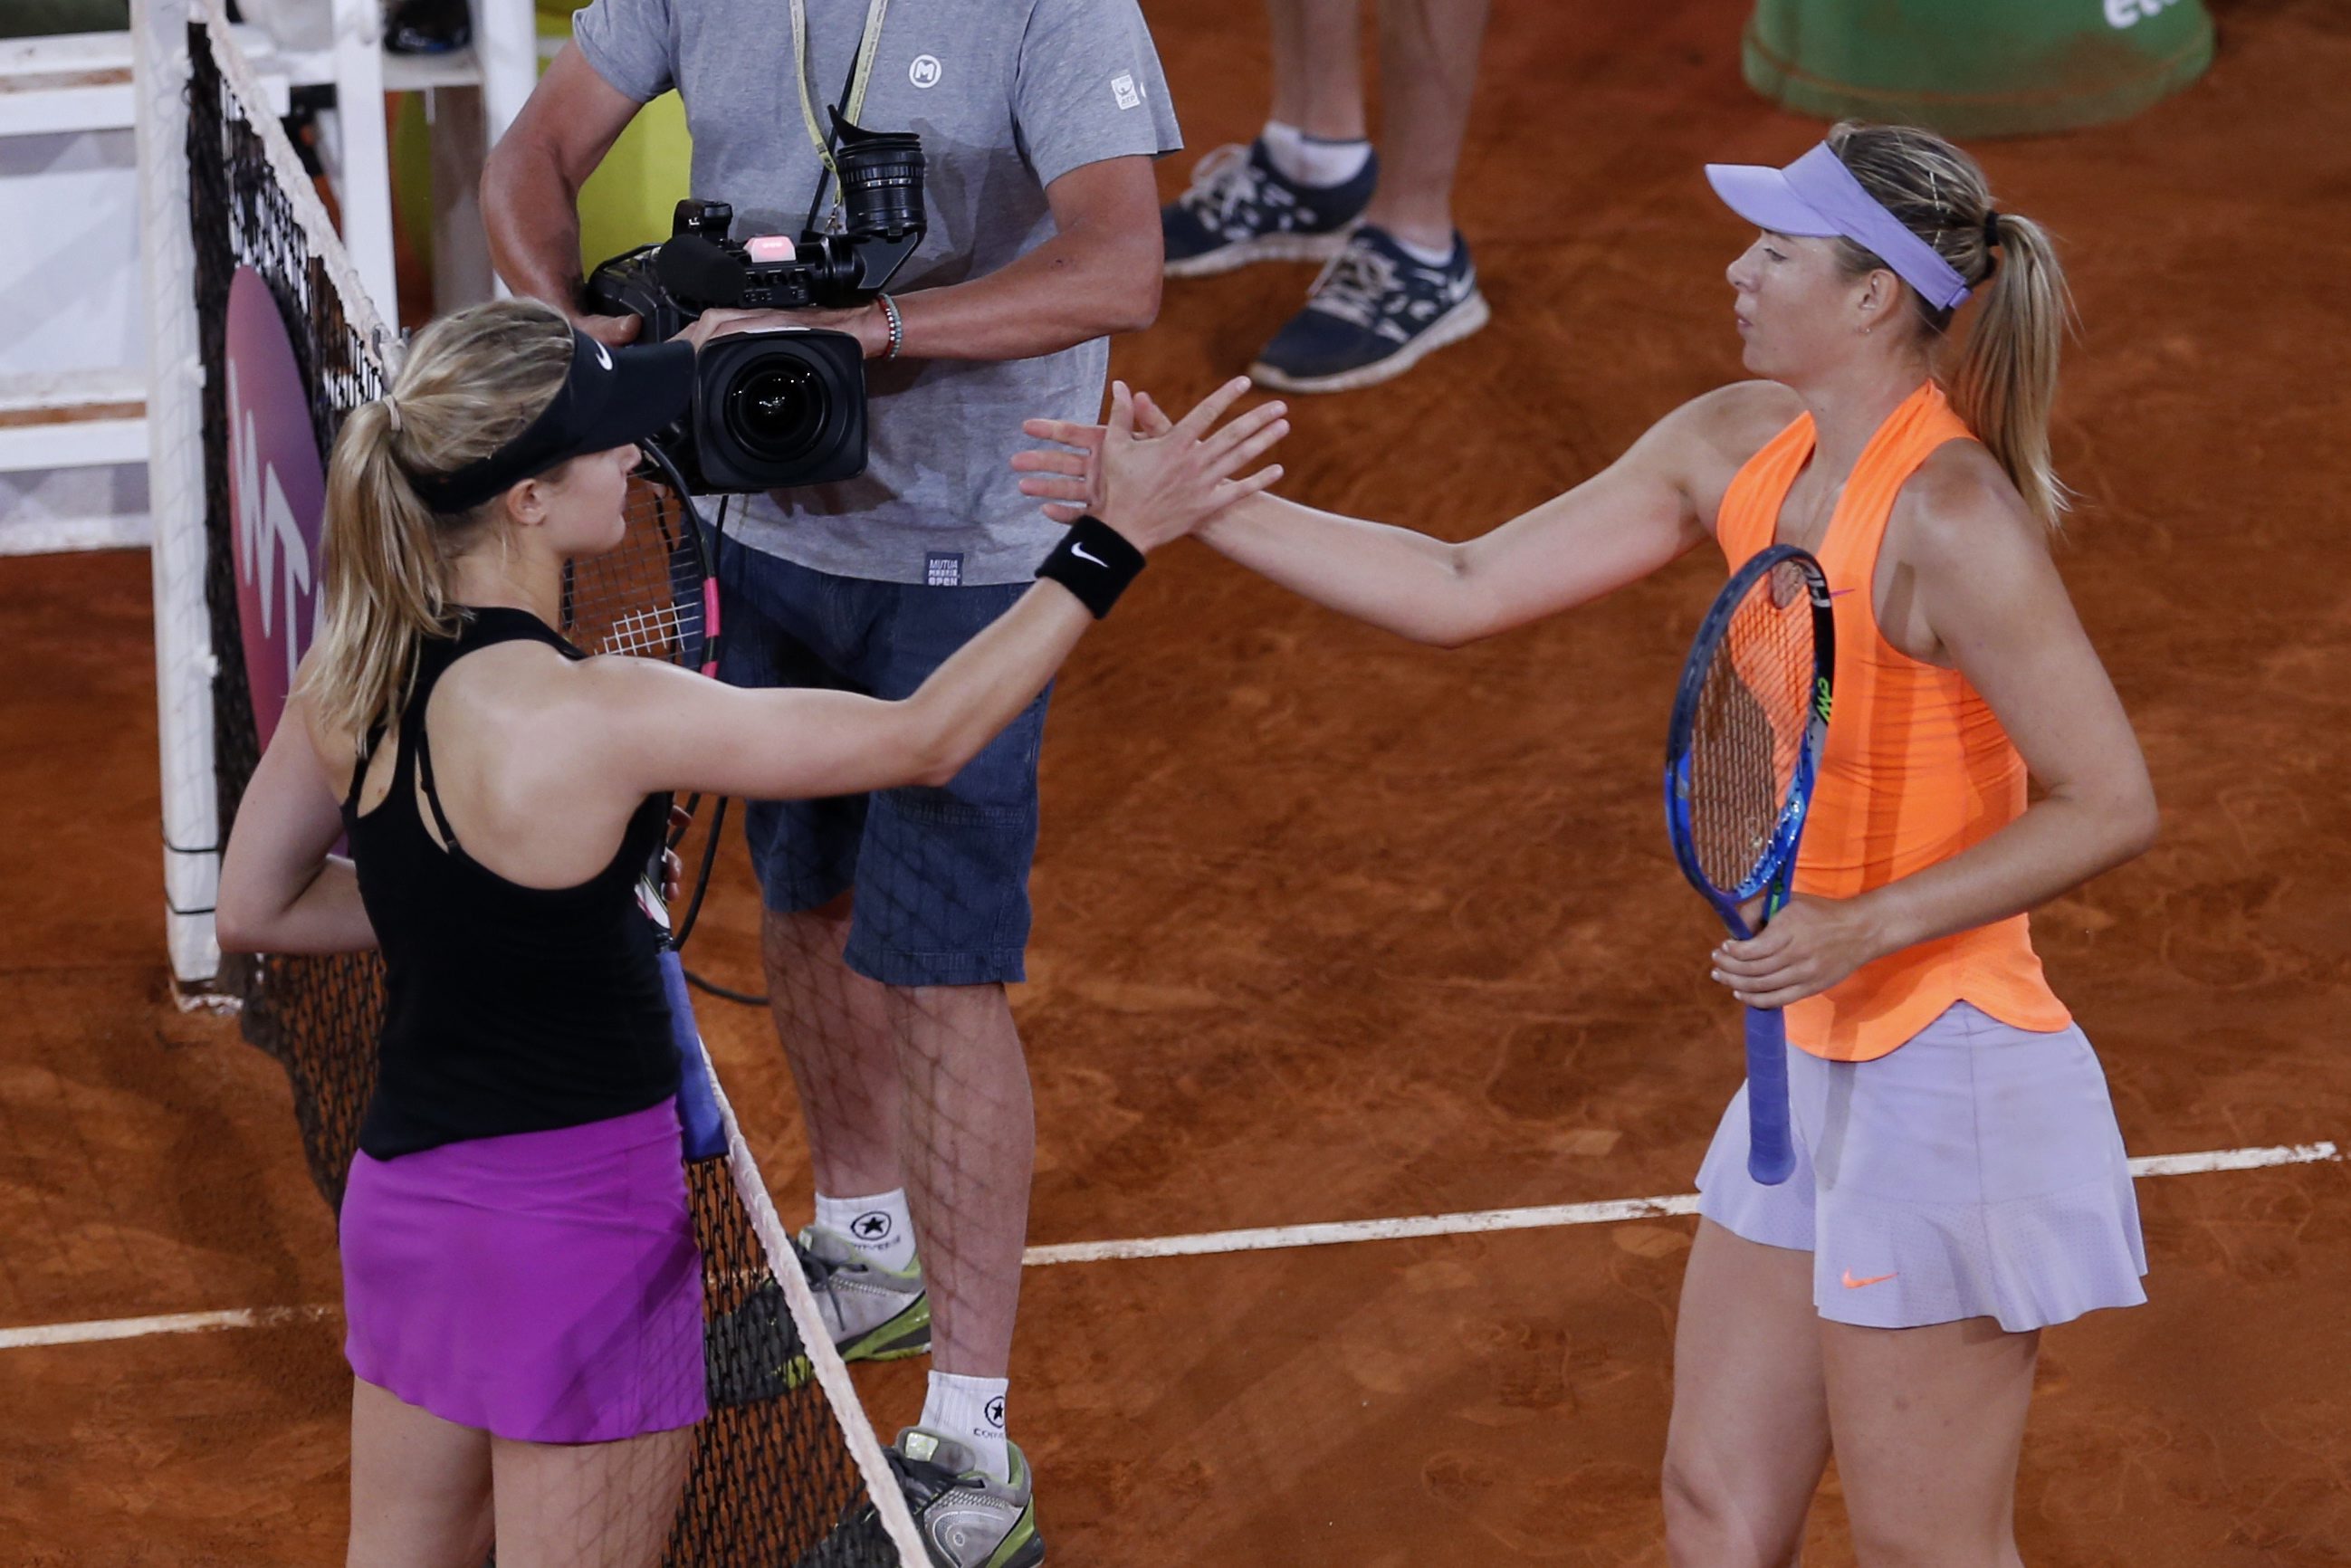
(1332, 927)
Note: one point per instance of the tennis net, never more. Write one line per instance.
(786, 1468)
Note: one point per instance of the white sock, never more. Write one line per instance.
(1422, 254)
(877, 1225)
(971, 1410)
(1313, 161)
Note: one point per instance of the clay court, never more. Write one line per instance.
(1332, 927)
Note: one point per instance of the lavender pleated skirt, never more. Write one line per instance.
(542, 1286)
(1976, 1172)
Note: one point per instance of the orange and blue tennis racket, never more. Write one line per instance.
(1750, 716)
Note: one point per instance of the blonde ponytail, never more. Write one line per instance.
(2004, 385)
(468, 386)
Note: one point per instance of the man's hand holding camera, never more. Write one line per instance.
(868, 323)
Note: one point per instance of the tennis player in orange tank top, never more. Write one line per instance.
(1916, 769)
(1960, 1180)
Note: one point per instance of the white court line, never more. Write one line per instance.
(141, 1328)
(1271, 1237)
(1331, 1234)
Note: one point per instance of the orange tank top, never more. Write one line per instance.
(1916, 768)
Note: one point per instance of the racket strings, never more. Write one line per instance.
(1752, 715)
(643, 597)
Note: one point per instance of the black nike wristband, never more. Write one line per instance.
(1093, 562)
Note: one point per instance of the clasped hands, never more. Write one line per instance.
(1069, 481)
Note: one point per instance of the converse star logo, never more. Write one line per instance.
(995, 1413)
(873, 1227)
(1080, 552)
(1125, 92)
(925, 71)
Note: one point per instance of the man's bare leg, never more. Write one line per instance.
(837, 1034)
(924, 1087)
(970, 1148)
(1428, 73)
(1317, 67)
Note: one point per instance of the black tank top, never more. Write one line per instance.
(510, 1008)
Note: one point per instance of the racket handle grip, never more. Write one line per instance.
(1771, 1150)
(705, 1131)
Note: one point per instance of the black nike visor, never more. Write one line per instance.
(610, 397)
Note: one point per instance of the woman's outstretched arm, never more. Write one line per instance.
(1631, 518)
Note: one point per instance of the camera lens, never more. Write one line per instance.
(776, 407)
(881, 184)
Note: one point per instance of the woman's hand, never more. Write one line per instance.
(1810, 946)
(1154, 488)
(1070, 481)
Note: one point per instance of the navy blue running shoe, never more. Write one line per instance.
(427, 26)
(1376, 312)
(1242, 209)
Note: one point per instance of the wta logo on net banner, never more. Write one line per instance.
(276, 497)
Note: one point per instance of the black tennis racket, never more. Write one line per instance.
(1750, 716)
(653, 596)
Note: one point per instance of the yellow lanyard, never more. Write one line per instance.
(867, 46)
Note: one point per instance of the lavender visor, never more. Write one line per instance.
(1816, 196)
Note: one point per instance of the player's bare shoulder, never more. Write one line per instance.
(1741, 418)
(1712, 436)
(1961, 508)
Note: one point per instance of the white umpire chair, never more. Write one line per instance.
(75, 338)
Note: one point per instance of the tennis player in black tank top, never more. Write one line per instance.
(521, 1293)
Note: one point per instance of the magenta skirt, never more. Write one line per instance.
(544, 1287)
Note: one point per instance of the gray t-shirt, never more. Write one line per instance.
(1008, 97)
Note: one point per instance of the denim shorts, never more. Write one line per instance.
(940, 874)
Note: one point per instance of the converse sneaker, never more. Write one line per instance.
(968, 1519)
(753, 1351)
(1376, 311)
(1242, 209)
(874, 1313)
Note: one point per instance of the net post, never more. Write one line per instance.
(176, 481)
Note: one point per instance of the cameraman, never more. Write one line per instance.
(892, 921)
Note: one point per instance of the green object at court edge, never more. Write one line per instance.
(1975, 67)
